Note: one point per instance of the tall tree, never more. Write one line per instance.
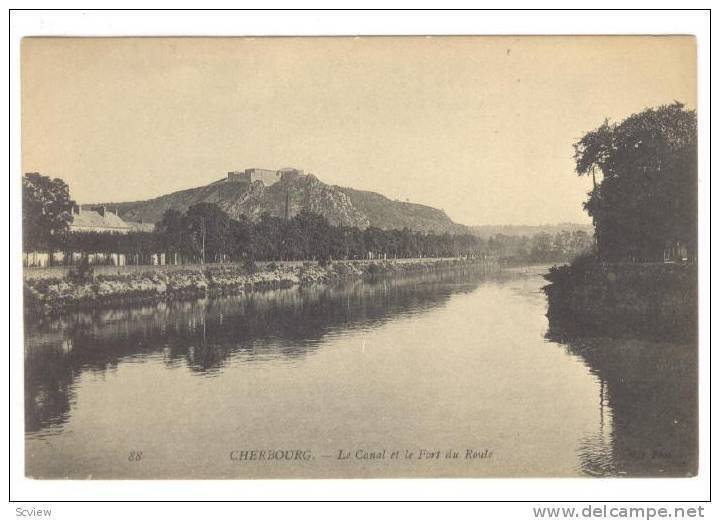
(268, 238)
(241, 238)
(46, 212)
(172, 233)
(646, 201)
(208, 230)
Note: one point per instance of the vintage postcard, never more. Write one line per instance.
(360, 257)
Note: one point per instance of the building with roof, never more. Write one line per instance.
(98, 219)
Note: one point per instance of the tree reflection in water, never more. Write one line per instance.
(647, 406)
(205, 335)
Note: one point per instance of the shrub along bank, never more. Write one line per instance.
(640, 300)
(82, 289)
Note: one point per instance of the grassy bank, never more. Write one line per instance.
(88, 290)
(634, 300)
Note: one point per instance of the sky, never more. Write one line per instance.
(481, 127)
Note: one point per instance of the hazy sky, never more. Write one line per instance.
(481, 127)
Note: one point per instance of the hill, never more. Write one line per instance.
(340, 205)
(388, 214)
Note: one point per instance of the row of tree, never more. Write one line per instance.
(205, 234)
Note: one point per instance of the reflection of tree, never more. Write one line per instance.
(48, 384)
(595, 449)
(204, 334)
(649, 396)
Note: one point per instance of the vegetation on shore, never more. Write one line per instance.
(83, 289)
(589, 297)
(645, 205)
(641, 279)
(206, 234)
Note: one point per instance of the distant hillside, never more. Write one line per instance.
(488, 230)
(388, 214)
(341, 206)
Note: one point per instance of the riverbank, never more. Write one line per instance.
(53, 294)
(626, 300)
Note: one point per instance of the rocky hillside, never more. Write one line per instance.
(339, 205)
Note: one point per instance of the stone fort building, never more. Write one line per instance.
(267, 177)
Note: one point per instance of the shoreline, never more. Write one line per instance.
(652, 301)
(53, 295)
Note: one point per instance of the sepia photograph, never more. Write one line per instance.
(360, 257)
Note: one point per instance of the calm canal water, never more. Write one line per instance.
(357, 381)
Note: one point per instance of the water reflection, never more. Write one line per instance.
(453, 360)
(647, 406)
(206, 334)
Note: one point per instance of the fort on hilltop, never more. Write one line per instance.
(267, 177)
